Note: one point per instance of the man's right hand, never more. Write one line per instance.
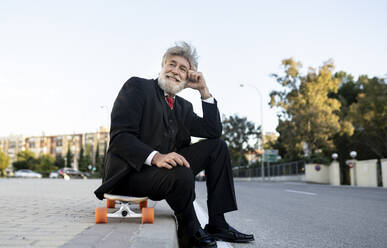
(169, 160)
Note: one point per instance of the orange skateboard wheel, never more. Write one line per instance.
(148, 215)
(101, 215)
(110, 203)
(143, 204)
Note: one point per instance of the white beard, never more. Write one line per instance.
(169, 85)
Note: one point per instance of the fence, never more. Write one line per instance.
(272, 170)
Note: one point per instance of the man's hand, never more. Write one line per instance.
(169, 160)
(195, 80)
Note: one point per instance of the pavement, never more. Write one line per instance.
(59, 213)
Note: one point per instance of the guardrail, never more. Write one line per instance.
(272, 170)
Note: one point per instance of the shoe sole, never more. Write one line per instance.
(232, 240)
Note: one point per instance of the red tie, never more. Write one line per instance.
(170, 101)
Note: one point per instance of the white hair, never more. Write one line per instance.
(184, 50)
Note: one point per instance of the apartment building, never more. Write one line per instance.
(57, 144)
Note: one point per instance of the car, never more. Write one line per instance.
(54, 174)
(25, 173)
(70, 172)
(201, 176)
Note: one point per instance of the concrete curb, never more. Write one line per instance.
(131, 233)
(296, 178)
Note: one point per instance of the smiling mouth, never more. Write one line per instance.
(175, 79)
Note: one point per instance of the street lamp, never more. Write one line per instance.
(262, 139)
(107, 112)
(335, 156)
(353, 154)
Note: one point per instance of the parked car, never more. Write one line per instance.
(201, 176)
(27, 174)
(70, 172)
(54, 174)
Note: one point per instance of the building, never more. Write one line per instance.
(11, 145)
(57, 145)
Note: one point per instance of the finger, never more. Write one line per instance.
(184, 161)
(193, 77)
(179, 160)
(197, 77)
(166, 165)
(172, 162)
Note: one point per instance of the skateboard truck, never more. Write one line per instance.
(124, 212)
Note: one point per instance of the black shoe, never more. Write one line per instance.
(228, 234)
(199, 239)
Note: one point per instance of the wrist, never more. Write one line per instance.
(205, 93)
(155, 158)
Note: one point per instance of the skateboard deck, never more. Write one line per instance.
(146, 215)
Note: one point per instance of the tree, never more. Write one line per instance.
(308, 118)
(24, 160)
(69, 157)
(45, 164)
(98, 161)
(344, 143)
(4, 163)
(82, 163)
(241, 136)
(369, 115)
(59, 161)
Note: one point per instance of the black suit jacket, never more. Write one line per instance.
(139, 124)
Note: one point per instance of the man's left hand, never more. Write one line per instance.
(195, 80)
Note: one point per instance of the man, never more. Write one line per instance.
(150, 152)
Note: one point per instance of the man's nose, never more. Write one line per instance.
(174, 70)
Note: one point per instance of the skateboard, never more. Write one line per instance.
(147, 214)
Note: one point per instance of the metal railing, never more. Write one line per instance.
(272, 170)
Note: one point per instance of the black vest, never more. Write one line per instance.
(169, 137)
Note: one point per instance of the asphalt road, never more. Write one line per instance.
(307, 215)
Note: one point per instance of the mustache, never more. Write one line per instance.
(171, 75)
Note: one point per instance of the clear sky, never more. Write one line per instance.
(60, 61)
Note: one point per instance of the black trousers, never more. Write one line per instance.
(177, 186)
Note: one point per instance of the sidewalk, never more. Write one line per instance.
(59, 213)
(130, 233)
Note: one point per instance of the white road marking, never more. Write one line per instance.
(203, 219)
(294, 183)
(299, 192)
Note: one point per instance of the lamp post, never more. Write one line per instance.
(353, 167)
(335, 156)
(262, 139)
(107, 112)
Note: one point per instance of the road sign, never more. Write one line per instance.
(270, 156)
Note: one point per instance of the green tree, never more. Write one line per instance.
(4, 163)
(308, 118)
(59, 161)
(241, 136)
(69, 157)
(344, 143)
(98, 162)
(82, 163)
(24, 160)
(369, 116)
(45, 164)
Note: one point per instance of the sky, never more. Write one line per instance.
(62, 63)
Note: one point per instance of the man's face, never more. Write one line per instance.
(174, 74)
(176, 68)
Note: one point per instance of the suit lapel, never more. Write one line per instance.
(162, 102)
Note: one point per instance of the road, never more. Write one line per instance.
(307, 215)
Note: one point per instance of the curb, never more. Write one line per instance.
(130, 233)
